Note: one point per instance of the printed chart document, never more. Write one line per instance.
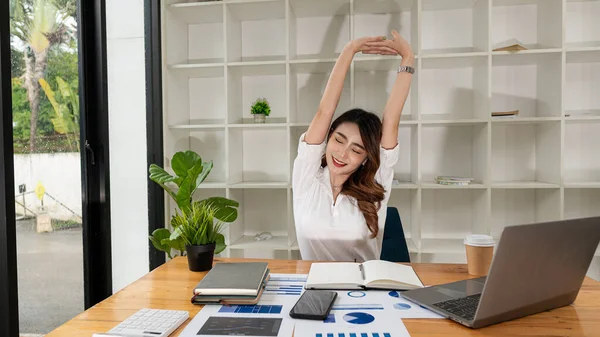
(374, 274)
(358, 313)
(354, 313)
(268, 318)
(354, 318)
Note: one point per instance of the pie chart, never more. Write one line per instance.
(394, 294)
(359, 318)
(356, 294)
(402, 306)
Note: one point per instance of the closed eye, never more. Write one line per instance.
(338, 140)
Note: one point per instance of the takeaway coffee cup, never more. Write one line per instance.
(480, 250)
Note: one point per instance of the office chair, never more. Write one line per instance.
(394, 248)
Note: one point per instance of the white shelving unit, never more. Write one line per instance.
(219, 56)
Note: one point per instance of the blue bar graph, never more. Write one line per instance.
(353, 334)
(357, 307)
(252, 309)
(283, 289)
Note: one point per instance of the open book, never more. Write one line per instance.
(376, 274)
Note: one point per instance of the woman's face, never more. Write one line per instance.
(345, 150)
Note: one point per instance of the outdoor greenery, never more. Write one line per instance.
(44, 51)
(58, 225)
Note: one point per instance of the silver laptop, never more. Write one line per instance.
(535, 268)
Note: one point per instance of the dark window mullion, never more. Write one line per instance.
(9, 293)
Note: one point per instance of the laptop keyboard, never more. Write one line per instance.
(464, 307)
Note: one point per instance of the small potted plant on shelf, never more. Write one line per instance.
(260, 109)
(197, 225)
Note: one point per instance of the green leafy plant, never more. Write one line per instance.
(261, 106)
(200, 227)
(190, 171)
(66, 110)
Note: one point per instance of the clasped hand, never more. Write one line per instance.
(382, 46)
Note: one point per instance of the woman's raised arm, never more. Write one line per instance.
(399, 93)
(317, 131)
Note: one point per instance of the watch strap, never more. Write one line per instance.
(407, 69)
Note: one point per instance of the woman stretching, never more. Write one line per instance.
(342, 176)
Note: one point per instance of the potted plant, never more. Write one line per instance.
(200, 233)
(197, 225)
(260, 109)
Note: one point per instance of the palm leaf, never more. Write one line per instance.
(51, 95)
(44, 23)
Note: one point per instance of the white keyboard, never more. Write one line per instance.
(150, 323)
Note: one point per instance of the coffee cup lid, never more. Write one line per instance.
(479, 240)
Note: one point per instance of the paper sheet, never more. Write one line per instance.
(364, 320)
(392, 302)
(268, 318)
(369, 313)
(365, 314)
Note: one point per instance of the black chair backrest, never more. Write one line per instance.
(394, 247)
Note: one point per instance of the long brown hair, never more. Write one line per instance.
(361, 185)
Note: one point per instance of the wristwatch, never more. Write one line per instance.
(407, 69)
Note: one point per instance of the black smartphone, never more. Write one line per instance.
(314, 304)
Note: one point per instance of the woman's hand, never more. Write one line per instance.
(370, 45)
(398, 44)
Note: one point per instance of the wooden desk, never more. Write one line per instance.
(170, 287)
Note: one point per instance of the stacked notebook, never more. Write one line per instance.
(232, 283)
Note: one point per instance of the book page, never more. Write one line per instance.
(323, 274)
(379, 270)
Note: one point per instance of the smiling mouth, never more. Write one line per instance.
(337, 163)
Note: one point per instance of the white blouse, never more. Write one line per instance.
(334, 232)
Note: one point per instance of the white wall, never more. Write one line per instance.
(59, 173)
(127, 131)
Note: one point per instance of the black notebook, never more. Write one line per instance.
(234, 280)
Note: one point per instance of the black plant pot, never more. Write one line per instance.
(200, 258)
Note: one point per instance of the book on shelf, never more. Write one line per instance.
(505, 114)
(232, 283)
(373, 274)
(512, 45)
(453, 180)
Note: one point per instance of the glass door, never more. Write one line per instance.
(55, 224)
(47, 162)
